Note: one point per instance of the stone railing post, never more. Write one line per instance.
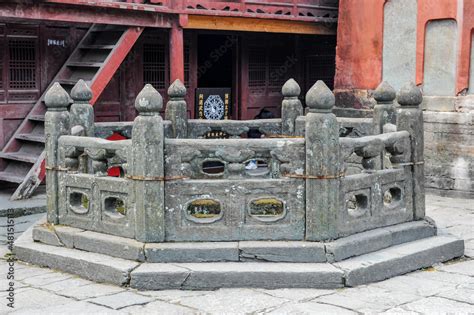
(177, 110)
(147, 168)
(57, 123)
(410, 118)
(384, 110)
(82, 113)
(323, 164)
(291, 107)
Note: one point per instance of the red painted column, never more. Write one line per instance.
(359, 44)
(176, 53)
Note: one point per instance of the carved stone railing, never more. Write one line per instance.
(310, 177)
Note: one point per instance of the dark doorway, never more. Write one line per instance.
(215, 60)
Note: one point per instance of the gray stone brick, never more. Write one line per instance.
(280, 251)
(114, 246)
(192, 252)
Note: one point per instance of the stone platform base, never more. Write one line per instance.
(362, 258)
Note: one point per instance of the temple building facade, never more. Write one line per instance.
(241, 52)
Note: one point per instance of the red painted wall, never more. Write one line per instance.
(360, 40)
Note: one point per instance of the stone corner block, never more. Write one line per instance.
(45, 234)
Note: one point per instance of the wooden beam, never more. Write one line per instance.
(82, 14)
(113, 62)
(257, 25)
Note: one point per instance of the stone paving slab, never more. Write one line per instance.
(431, 291)
(16, 208)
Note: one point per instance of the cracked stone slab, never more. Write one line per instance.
(45, 235)
(261, 275)
(228, 301)
(121, 300)
(281, 251)
(192, 252)
(164, 308)
(374, 240)
(158, 276)
(400, 259)
(97, 267)
(114, 246)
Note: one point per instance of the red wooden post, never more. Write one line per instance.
(176, 53)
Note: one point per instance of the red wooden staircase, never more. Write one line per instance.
(95, 60)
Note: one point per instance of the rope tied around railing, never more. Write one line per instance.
(156, 178)
(409, 163)
(319, 177)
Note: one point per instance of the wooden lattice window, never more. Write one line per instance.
(22, 63)
(154, 65)
(277, 71)
(257, 70)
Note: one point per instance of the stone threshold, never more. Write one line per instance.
(242, 251)
(375, 266)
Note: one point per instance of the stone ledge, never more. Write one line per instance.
(269, 251)
(209, 276)
(379, 265)
(91, 266)
(400, 259)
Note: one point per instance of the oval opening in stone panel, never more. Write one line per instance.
(213, 167)
(267, 209)
(79, 202)
(204, 210)
(115, 207)
(257, 167)
(357, 205)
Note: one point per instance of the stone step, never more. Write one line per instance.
(382, 264)
(91, 266)
(263, 251)
(400, 259)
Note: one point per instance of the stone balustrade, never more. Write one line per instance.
(312, 177)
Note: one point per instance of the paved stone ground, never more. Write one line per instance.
(445, 289)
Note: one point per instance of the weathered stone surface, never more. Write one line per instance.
(278, 251)
(261, 275)
(440, 58)
(291, 107)
(358, 244)
(82, 113)
(192, 252)
(66, 234)
(176, 110)
(399, 64)
(92, 266)
(411, 231)
(56, 124)
(109, 245)
(147, 167)
(323, 164)
(158, 277)
(400, 259)
(45, 235)
(163, 307)
(242, 301)
(320, 97)
(121, 300)
(410, 118)
(374, 240)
